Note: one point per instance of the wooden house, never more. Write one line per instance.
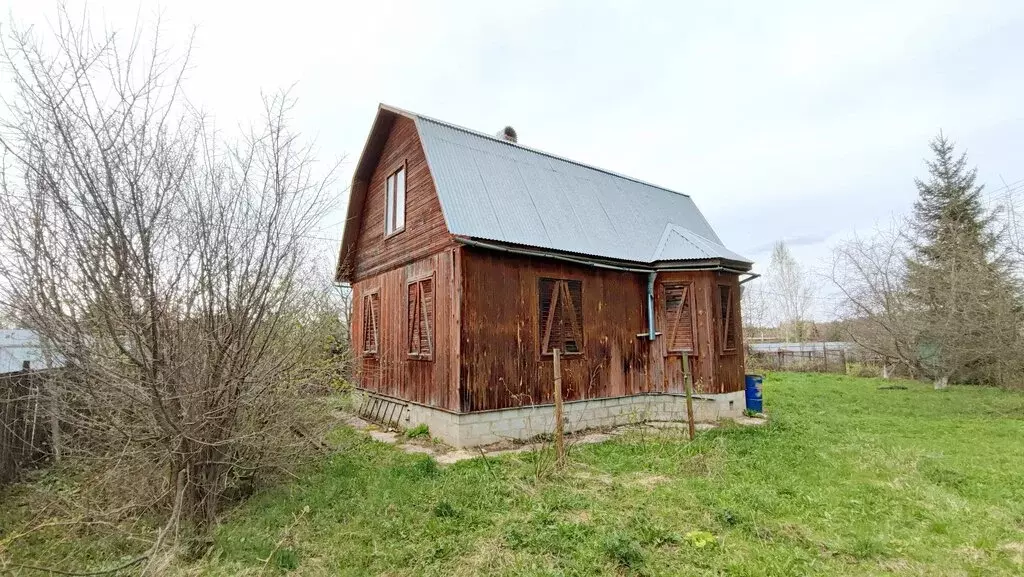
(472, 257)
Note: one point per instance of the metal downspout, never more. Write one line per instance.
(650, 304)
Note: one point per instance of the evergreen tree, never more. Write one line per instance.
(950, 220)
(963, 293)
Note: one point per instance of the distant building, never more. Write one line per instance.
(800, 347)
(21, 350)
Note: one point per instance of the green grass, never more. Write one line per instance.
(847, 479)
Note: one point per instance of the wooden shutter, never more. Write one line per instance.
(413, 322)
(728, 319)
(421, 319)
(371, 323)
(560, 310)
(679, 317)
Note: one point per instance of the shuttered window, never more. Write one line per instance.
(371, 324)
(420, 325)
(561, 315)
(679, 317)
(728, 318)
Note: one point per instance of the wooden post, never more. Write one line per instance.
(559, 420)
(688, 385)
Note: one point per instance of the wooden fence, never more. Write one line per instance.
(24, 435)
(817, 360)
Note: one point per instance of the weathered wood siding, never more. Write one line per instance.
(391, 372)
(714, 371)
(500, 361)
(425, 231)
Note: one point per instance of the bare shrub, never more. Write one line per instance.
(169, 268)
(870, 273)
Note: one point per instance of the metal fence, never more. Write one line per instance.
(24, 436)
(817, 360)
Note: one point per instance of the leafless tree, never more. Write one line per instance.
(870, 274)
(1009, 212)
(978, 334)
(791, 293)
(757, 309)
(166, 265)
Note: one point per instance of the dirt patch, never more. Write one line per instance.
(596, 478)
(896, 565)
(1015, 551)
(578, 517)
(972, 553)
(649, 481)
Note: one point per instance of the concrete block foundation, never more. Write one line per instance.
(521, 423)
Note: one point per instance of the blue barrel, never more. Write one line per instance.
(754, 393)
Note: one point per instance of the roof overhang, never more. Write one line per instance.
(717, 264)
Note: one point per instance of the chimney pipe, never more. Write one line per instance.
(508, 134)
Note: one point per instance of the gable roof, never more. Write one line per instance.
(498, 191)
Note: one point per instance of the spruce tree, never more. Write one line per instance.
(964, 297)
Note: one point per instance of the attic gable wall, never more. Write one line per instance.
(425, 231)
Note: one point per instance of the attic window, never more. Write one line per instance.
(561, 315)
(371, 324)
(679, 317)
(394, 212)
(421, 319)
(728, 318)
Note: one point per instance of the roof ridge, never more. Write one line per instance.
(416, 115)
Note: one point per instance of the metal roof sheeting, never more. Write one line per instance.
(20, 346)
(499, 191)
(678, 243)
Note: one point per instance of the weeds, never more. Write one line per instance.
(420, 430)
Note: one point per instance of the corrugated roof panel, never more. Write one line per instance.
(463, 199)
(561, 224)
(513, 205)
(492, 189)
(678, 243)
(607, 232)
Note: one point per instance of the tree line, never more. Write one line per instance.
(938, 293)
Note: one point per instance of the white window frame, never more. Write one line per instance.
(394, 194)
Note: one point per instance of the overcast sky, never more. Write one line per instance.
(796, 120)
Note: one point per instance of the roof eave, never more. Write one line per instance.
(625, 265)
(725, 264)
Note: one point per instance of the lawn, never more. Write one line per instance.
(847, 479)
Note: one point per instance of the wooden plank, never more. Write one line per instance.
(559, 417)
(502, 333)
(394, 372)
(688, 385)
